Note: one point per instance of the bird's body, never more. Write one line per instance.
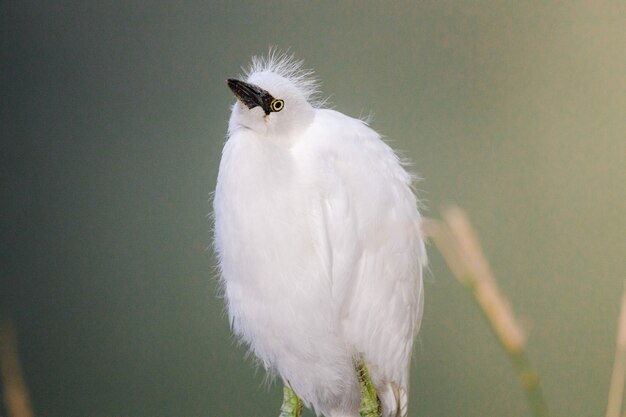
(318, 238)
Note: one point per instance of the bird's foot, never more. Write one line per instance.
(370, 403)
(292, 405)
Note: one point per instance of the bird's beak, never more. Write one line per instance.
(250, 94)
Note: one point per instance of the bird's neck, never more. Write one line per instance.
(288, 133)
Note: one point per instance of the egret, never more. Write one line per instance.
(319, 248)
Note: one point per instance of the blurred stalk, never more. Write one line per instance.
(616, 391)
(16, 398)
(457, 242)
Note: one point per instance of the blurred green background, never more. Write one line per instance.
(113, 116)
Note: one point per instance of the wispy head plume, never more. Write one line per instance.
(287, 66)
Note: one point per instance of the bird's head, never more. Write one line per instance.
(275, 98)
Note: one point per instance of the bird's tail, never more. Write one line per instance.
(394, 400)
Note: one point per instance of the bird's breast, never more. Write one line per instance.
(262, 212)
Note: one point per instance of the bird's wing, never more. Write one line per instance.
(373, 244)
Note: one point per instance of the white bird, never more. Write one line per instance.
(317, 235)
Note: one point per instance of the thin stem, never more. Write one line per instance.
(370, 403)
(457, 242)
(614, 403)
(16, 397)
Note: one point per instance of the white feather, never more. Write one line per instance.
(319, 245)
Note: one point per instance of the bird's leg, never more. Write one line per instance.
(292, 405)
(370, 404)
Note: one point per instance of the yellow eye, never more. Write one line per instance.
(277, 104)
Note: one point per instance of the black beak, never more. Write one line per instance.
(250, 94)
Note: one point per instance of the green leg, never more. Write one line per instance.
(370, 404)
(292, 405)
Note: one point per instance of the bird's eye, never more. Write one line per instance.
(277, 104)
